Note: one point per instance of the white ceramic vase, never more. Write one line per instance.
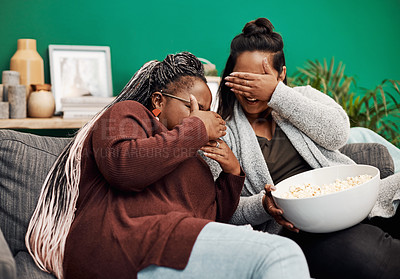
(41, 104)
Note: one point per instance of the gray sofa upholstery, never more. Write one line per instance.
(25, 160)
(7, 262)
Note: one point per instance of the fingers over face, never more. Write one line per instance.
(243, 93)
(238, 87)
(243, 75)
(267, 67)
(238, 81)
(216, 115)
(193, 103)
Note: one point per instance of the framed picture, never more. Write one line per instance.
(78, 71)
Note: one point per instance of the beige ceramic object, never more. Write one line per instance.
(28, 63)
(41, 104)
(17, 99)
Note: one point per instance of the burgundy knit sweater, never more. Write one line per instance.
(145, 195)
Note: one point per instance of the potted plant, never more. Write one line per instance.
(376, 109)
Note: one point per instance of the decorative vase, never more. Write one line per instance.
(17, 100)
(41, 103)
(28, 63)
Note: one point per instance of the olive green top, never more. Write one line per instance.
(281, 157)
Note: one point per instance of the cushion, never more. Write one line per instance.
(373, 154)
(27, 269)
(361, 134)
(7, 264)
(25, 160)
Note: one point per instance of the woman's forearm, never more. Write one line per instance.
(314, 113)
(250, 211)
(228, 190)
(131, 163)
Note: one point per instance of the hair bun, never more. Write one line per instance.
(259, 26)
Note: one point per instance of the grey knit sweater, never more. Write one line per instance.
(316, 126)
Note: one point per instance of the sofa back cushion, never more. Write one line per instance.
(25, 160)
(373, 154)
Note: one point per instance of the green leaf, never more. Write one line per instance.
(374, 109)
(383, 98)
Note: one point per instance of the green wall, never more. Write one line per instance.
(363, 34)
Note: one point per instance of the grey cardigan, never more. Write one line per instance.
(316, 126)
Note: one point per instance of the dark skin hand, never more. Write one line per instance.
(223, 155)
(213, 122)
(257, 86)
(274, 211)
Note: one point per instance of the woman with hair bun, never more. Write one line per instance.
(276, 132)
(130, 196)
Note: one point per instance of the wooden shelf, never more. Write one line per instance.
(42, 123)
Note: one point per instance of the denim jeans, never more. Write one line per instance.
(227, 251)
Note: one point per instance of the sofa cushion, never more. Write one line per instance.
(25, 160)
(373, 154)
(27, 269)
(7, 263)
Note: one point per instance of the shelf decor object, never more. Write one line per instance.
(4, 110)
(28, 63)
(41, 103)
(78, 71)
(1, 92)
(9, 78)
(17, 100)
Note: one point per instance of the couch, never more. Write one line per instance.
(25, 160)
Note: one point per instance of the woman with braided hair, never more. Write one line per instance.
(130, 197)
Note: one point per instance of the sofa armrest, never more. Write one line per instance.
(7, 264)
(373, 154)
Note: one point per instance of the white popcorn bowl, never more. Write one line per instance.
(329, 212)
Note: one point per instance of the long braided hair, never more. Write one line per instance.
(55, 211)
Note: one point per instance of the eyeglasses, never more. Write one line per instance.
(180, 99)
(175, 97)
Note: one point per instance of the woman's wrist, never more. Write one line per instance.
(237, 171)
(264, 203)
(234, 171)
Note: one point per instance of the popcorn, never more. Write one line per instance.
(309, 190)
